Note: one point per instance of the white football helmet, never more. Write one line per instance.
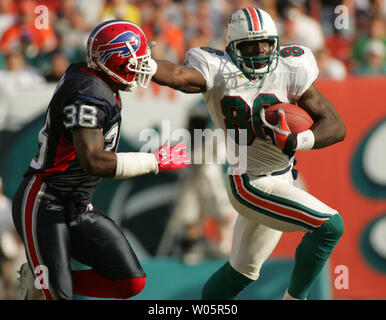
(251, 24)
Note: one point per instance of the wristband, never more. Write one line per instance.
(131, 164)
(305, 140)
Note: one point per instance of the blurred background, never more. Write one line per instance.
(183, 233)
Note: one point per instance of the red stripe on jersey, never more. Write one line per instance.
(30, 210)
(90, 71)
(255, 18)
(65, 154)
(118, 98)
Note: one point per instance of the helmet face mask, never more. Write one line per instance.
(119, 49)
(252, 24)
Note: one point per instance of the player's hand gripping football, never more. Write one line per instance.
(170, 158)
(279, 134)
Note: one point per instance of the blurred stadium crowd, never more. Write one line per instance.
(345, 40)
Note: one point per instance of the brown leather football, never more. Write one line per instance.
(298, 119)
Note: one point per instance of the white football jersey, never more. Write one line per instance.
(234, 101)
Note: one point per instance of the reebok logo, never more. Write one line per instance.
(54, 207)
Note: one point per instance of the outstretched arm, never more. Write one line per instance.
(179, 77)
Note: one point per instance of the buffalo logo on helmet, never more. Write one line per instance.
(119, 45)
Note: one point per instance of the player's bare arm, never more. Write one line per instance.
(179, 77)
(89, 144)
(328, 127)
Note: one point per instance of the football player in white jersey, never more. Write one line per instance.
(237, 84)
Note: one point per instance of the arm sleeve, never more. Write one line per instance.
(304, 72)
(196, 59)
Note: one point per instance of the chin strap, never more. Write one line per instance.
(132, 87)
(253, 71)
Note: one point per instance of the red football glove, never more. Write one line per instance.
(279, 134)
(170, 158)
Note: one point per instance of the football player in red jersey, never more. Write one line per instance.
(52, 208)
(237, 83)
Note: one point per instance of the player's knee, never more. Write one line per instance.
(322, 241)
(247, 270)
(127, 288)
(59, 295)
(334, 228)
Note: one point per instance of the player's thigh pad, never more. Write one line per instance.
(252, 244)
(99, 243)
(274, 202)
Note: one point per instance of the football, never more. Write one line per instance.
(298, 120)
